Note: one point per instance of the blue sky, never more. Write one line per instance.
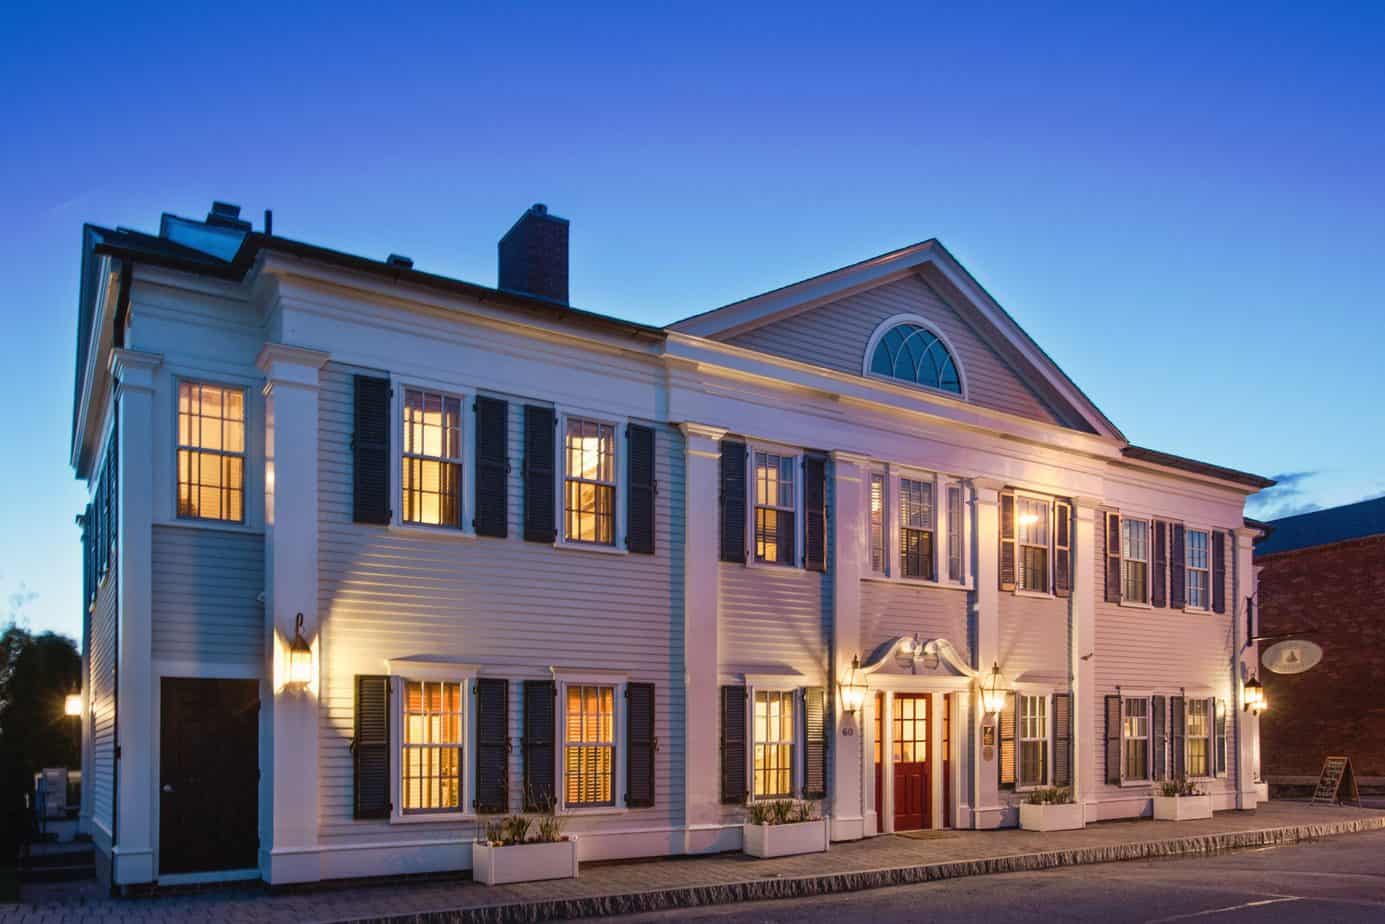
(1185, 207)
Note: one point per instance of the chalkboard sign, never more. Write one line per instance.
(1336, 783)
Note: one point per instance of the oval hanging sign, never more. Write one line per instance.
(1291, 657)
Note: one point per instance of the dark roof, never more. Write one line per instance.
(1324, 527)
(1199, 468)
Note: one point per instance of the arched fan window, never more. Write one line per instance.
(913, 353)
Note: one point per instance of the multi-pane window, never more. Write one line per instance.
(431, 467)
(775, 501)
(431, 762)
(955, 568)
(590, 478)
(909, 731)
(1135, 560)
(877, 522)
(1199, 733)
(1199, 569)
(1135, 733)
(211, 452)
(1033, 735)
(915, 529)
(773, 774)
(589, 753)
(1032, 534)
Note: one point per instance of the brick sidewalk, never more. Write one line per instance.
(685, 882)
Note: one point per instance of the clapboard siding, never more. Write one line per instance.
(774, 619)
(1159, 650)
(1034, 634)
(103, 659)
(513, 607)
(836, 336)
(892, 609)
(206, 588)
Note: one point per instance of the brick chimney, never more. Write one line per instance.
(533, 255)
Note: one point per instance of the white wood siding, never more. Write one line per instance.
(890, 609)
(774, 619)
(836, 336)
(1034, 633)
(206, 588)
(103, 660)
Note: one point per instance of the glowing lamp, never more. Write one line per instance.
(853, 689)
(993, 696)
(72, 704)
(1028, 519)
(300, 659)
(1255, 697)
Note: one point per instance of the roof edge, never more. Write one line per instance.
(1183, 463)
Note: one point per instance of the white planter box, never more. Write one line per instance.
(786, 840)
(524, 862)
(1262, 792)
(1182, 808)
(1053, 817)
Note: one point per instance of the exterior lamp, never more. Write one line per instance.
(300, 659)
(993, 696)
(72, 704)
(1254, 697)
(853, 690)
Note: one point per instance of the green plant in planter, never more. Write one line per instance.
(1050, 795)
(779, 811)
(517, 829)
(494, 832)
(1179, 786)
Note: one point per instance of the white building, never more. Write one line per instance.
(540, 550)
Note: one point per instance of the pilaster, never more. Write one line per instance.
(848, 549)
(987, 811)
(1082, 657)
(1245, 664)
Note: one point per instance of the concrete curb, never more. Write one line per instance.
(835, 883)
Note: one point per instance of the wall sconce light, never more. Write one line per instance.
(1255, 701)
(993, 696)
(72, 704)
(853, 689)
(300, 659)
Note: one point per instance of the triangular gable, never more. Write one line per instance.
(822, 319)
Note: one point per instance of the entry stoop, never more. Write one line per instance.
(65, 862)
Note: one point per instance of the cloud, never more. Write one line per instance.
(18, 601)
(1286, 499)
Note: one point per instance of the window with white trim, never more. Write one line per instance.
(1033, 535)
(877, 522)
(1135, 560)
(431, 463)
(772, 771)
(1198, 737)
(589, 746)
(1135, 715)
(431, 747)
(956, 564)
(776, 502)
(1196, 546)
(916, 529)
(1033, 738)
(589, 481)
(211, 452)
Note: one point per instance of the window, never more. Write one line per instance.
(431, 764)
(1199, 733)
(1032, 533)
(431, 468)
(773, 744)
(1135, 560)
(590, 749)
(1199, 569)
(916, 529)
(1033, 740)
(913, 353)
(877, 522)
(1135, 732)
(774, 508)
(955, 566)
(590, 479)
(211, 452)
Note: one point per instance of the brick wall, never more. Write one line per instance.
(1337, 707)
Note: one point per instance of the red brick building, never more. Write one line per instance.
(1326, 569)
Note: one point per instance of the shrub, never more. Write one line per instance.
(1179, 786)
(780, 811)
(1051, 795)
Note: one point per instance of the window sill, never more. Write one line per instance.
(1035, 595)
(914, 582)
(444, 533)
(598, 548)
(1198, 610)
(439, 818)
(579, 811)
(218, 525)
(1136, 784)
(1133, 605)
(785, 567)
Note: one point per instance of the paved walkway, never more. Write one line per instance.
(687, 882)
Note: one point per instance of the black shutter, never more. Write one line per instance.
(785, 537)
(815, 513)
(370, 747)
(88, 572)
(1177, 718)
(1113, 558)
(540, 744)
(1219, 729)
(733, 501)
(1062, 739)
(492, 467)
(1062, 549)
(733, 745)
(1178, 571)
(1007, 541)
(1113, 740)
(1005, 765)
(640, 745)
(1219, 572)
(370, 451)
(1158, 737)
(815, 743)
(639, 527)
(1158, 596)
(492, 745)
(539, 451)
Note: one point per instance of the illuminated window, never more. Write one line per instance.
(1033, 740)
(1135, 560)
(1032, 530)
(1199, 734)
(431, 778)
(773, 743)
(955, 562)
(916, 529)
(877, 523)
(915, 354)
(1135, 732)
(1199, 569)
(775, 501)
(432, 464)
(590, 478)
(211, 452)
(589, 754)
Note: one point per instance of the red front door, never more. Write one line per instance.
(912, 789)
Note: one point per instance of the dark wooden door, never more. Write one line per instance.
(879, 759)
(209, 766)
(912, 789)
(947, 760)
